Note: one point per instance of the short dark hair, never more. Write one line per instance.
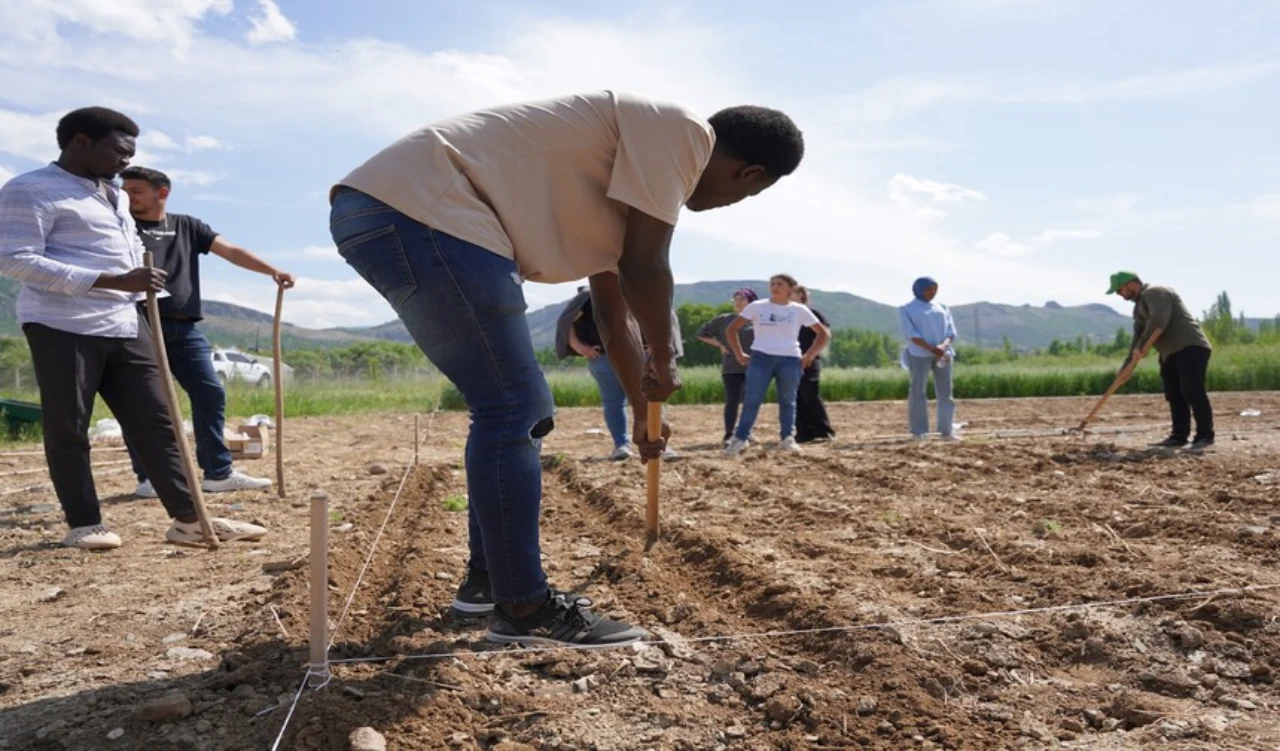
(95, 122)
(155, 177)
(759, 135)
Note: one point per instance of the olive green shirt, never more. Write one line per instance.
(1161, 308)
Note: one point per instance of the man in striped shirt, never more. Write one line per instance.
(67, 236)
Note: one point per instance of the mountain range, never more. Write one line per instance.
(985, 323)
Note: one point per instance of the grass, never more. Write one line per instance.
(455, 503)
(1249, 368)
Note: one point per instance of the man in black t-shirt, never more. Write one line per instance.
(178, 241)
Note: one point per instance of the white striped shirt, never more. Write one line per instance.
(58, 234)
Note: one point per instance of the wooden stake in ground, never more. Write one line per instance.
(655, 469)
(175, 414)
(276, 353)
(319, 672)
(417, 435)
(1123, 377)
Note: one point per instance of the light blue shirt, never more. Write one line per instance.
(58, 234)
(929, 321)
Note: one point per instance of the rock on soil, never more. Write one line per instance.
(367, 739)
(173, 706)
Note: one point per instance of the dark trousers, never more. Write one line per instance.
(1183, 374)
(70, 370)
(734, 385)
(812, 423)
(192, 366)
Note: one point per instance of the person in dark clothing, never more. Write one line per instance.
(732, 373)
(1184, 356)
(177, 241)
(812, 423)
(67, 236)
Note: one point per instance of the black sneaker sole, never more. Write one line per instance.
(638, 636)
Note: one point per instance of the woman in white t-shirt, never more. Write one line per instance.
(775, 356)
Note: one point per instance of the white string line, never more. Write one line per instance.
(845, 629)
(292, 707)
(374, 546)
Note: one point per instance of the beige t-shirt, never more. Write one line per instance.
(546, 183)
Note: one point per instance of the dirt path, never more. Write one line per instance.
(866, 531)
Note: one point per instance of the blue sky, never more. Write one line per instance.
(1017, 150)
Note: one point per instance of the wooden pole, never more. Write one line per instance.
(655, 468)
(319, 672)
(276, 356)
(417, 436)
(1124, 375)
(175, 414)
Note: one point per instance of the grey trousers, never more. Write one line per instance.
(918, 400)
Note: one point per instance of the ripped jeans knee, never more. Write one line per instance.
(542, 427)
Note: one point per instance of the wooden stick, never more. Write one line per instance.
(175, 414)
(46, 469)
(416, 437)
(276, 355)
(1123, 377)
(319, 589)
(655, 469)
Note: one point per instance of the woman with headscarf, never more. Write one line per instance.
(812, 423)
(732, 373)
(929, 332)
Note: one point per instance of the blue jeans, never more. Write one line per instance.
(191, 363)
(465, 308)
(762, 369)
(918, 399)
(613, 398)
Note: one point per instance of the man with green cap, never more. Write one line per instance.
(1184, 355)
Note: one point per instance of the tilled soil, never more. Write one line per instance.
(907, 569)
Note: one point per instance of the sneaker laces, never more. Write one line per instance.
(571, 610)
(97, 529)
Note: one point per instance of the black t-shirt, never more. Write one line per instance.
(807, 336)
(585, 327)
(177, 242)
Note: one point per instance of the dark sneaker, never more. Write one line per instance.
(1169, 443)
(563, 620)
(474, 597)
(1200, 444)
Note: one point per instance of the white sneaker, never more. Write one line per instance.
(789, 444)
(736, 446)
(919, 437)
(669, 454)
(97, 537)
(237, 480)
(145, 490)
(621, 454)
(951, 437)
(227, 530)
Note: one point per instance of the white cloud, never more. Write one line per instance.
(313, 303)
(1118, 203)
(29, 136)
(157, 139)
(1053, 235)
(185, 177)
(1266, 206)
(923, 198)
(270, 25)
(6, 174)
(204, 143)
(1000, 245)
(171, 22)
(902, 96)
(311, 253)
